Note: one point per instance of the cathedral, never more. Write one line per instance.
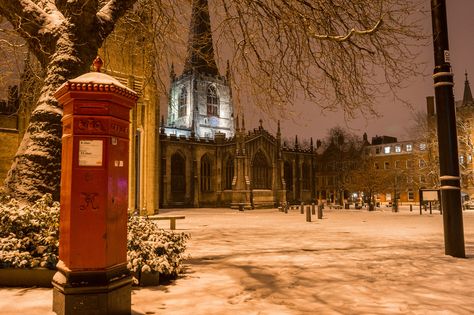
(208, 157)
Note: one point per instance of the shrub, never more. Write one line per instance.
(29, 238)
(29, 233)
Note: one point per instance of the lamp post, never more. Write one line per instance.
(447, 136)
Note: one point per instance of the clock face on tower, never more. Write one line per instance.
(214, 121)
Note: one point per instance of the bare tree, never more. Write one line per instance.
(342, 154)
(280, 51)
(338, 54)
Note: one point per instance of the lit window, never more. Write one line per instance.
(469, 158)
(409, 147)
(386, 150)
(461, 159)
(422, 146)
(182, 102)
(212, 101)
(398, 148)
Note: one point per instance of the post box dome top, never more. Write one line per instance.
(96, 82)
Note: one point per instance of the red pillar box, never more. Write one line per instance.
(92, 275)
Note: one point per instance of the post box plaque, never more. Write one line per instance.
(90, 152)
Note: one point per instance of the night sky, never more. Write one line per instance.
(397, 118)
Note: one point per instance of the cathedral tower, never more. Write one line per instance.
(200, 98)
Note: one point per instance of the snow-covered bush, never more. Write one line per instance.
(151, 249)
(29, 233)
(29, 238)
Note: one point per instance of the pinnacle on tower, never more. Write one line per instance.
(467, 98)
(200, 56)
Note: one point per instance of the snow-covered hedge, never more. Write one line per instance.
(151, 249)
(29, 234)
(29, 239)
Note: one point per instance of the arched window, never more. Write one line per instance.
(182, 102)
(205, 174)
(212, 101)
(178, 167)
(261, 172)
(306, 175)
(288, 175)
(229, 173)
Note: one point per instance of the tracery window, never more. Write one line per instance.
(306, 175)
(205, 174)
(229, 173)
(261, 172)
(288, 173)
(212, 101)
(182, 102)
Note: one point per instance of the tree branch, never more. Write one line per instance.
(110, 13)
(37, 25)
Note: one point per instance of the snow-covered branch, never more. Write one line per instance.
(37, 23)
(352, 32)
(110, 13)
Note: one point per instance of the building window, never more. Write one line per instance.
(377, 150)
(288, 174)
(411, 195)
(409, 147)
(386, 150)
(229, 173)
(386, 165)
(397, 164)
(398, 148)
(182, 102)
(178, 181)
(422, 179)
(461, 159)
(469, 158)
(409, 164)
(212, 101)
(422, 146)
(261, 172)
(306, 175)
(205, 174)
(376, 165)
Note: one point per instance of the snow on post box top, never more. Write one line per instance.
(96, 82)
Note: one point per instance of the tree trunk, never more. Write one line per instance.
(36, 168)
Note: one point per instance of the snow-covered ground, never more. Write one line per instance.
(269, 262)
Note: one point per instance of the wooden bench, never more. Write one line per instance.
(171, 218)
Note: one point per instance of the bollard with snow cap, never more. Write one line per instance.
(92, 275)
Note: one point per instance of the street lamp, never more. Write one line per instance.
(447, 136)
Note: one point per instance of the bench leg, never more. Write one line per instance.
(173, 224)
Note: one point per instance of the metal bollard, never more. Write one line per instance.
(313, 209)
(320, 212)
(302, 208)
(308, 214)
(411, 208)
